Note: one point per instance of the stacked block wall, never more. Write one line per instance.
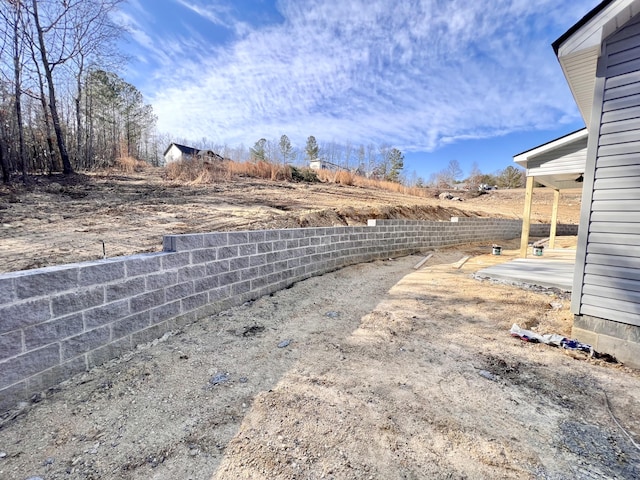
(59, 321)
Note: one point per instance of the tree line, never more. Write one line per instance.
(380, 162)
(452, 175)
(62, 107)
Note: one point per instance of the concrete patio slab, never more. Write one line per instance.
(547, 273)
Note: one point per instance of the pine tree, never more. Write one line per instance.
(285, 148)
(312, 148)
(396, 164)
(258, 152)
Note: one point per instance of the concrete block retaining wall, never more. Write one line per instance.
(58, 321)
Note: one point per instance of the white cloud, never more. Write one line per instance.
(214, 13)
(217, 13)
(416, 74)
(133, 27)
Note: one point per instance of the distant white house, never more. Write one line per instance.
(176, 152)
(320, 164)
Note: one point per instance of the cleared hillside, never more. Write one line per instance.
(58, 220)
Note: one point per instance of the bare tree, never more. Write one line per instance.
(371, 160)
(272, 150)
(48, 67)
(51, 47)
(12, 16)
(94, 39)
(330, 152)
(348, 151)
(415, 180)
(475, 176)
(361, 169)
(453, 171)
(71, 31)
(383, 166)
(4, 163)
(53, 164)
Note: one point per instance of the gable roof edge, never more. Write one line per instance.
(583, 21)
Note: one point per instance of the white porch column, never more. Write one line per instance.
(526, 218)
(554, 219)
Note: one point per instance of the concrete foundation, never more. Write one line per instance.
(606, 336)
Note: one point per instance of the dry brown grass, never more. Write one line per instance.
(266, 170)
(195, 172)
(198, 172)
(129, 164)
(250, 169)
(341, 177)
(282, 173)
(326, 175)
(396, 187)
(344, 177)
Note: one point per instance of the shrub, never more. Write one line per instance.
(343, 178)
(259, 169)
(326, 175)
(281, 173)
(130, 165)
(304, 175)
(197, 171)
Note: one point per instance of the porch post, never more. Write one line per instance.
(554, 219)
(526, 218)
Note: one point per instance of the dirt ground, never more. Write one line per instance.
(57, 220)
(375, 371)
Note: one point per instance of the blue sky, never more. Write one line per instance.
(468, 80)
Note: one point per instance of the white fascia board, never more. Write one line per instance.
(522, 159)
(586, 44)
(606, 22)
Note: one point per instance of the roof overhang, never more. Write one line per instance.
(523, 158)
(579, 48)
(563, 181)
(557, 164)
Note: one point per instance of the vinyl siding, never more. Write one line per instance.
(611, 277)
(173, 155)
(563, 160)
